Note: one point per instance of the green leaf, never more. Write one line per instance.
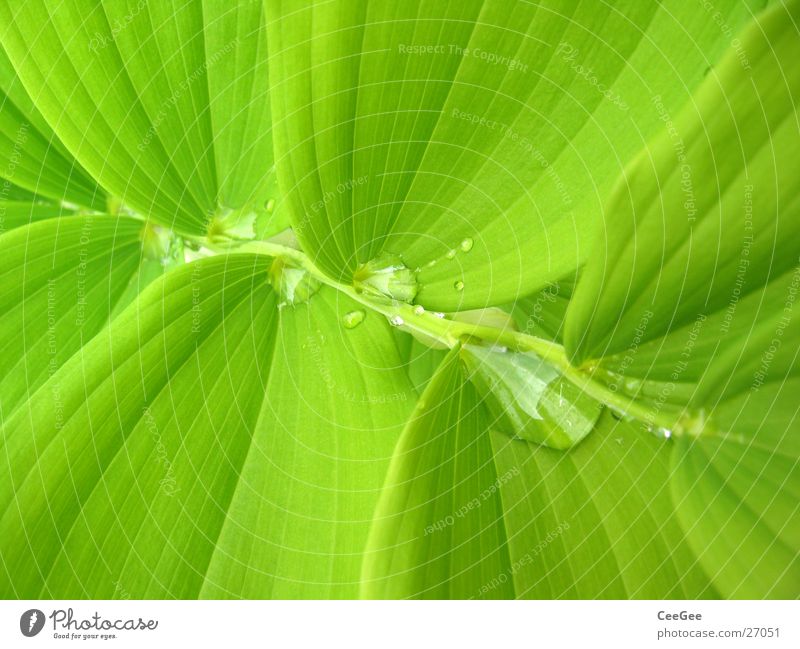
(284, 420)
(238, 87)
(217, 474)
(736, 493)
(31, 155)
(752, 341)
(693, 295)
(421, 362)
(707, 214)
(543, 313)
(424, 128)
(53, 486)
(438, 530)
(274, 218)
(14, 214)
(470, 513)
(598, 521)
(335, 403)
(60, 279)
(180, 138)
(15, 193)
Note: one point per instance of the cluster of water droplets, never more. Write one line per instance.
(464, 247)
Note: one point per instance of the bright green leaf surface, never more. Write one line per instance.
(334, 405)
(471, 514)
(598, 521)
(737, 493)
(199, 494)
(278, 419)
(14, 214)
(543, 313)
(174, 95)
(507, 131)
(695, 238)
(60, 279)
(72, 462)
(31, 155)
(695, 293)
(438, 530)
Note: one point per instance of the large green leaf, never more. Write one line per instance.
(737, 493)
(469, 513)
(438, 530)
(174, 95)
(597, 522)
(543, 313)
(707, 214)
(14, 214)
(690, 301)
(31, 155)
(334, 405)
(414, 127)
(60, 279)
(231, 450)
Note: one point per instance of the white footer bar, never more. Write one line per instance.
(488, 625)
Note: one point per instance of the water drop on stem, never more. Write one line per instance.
(354, 318)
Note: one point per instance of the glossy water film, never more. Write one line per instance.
(529, 398)
(388, 277)
(294, 285)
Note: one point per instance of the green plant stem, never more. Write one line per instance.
(452, 332)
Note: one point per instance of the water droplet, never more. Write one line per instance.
(419, 310)
(354, 318)
(438, 314)
(459, 285)
(270, 205)
(466, 244)
(295, 285)
(161, 245)
(451, 254)
(396, 321)
(529, 398)
(386, 276)
(632, 386)
(619, 414)
(663, 433)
